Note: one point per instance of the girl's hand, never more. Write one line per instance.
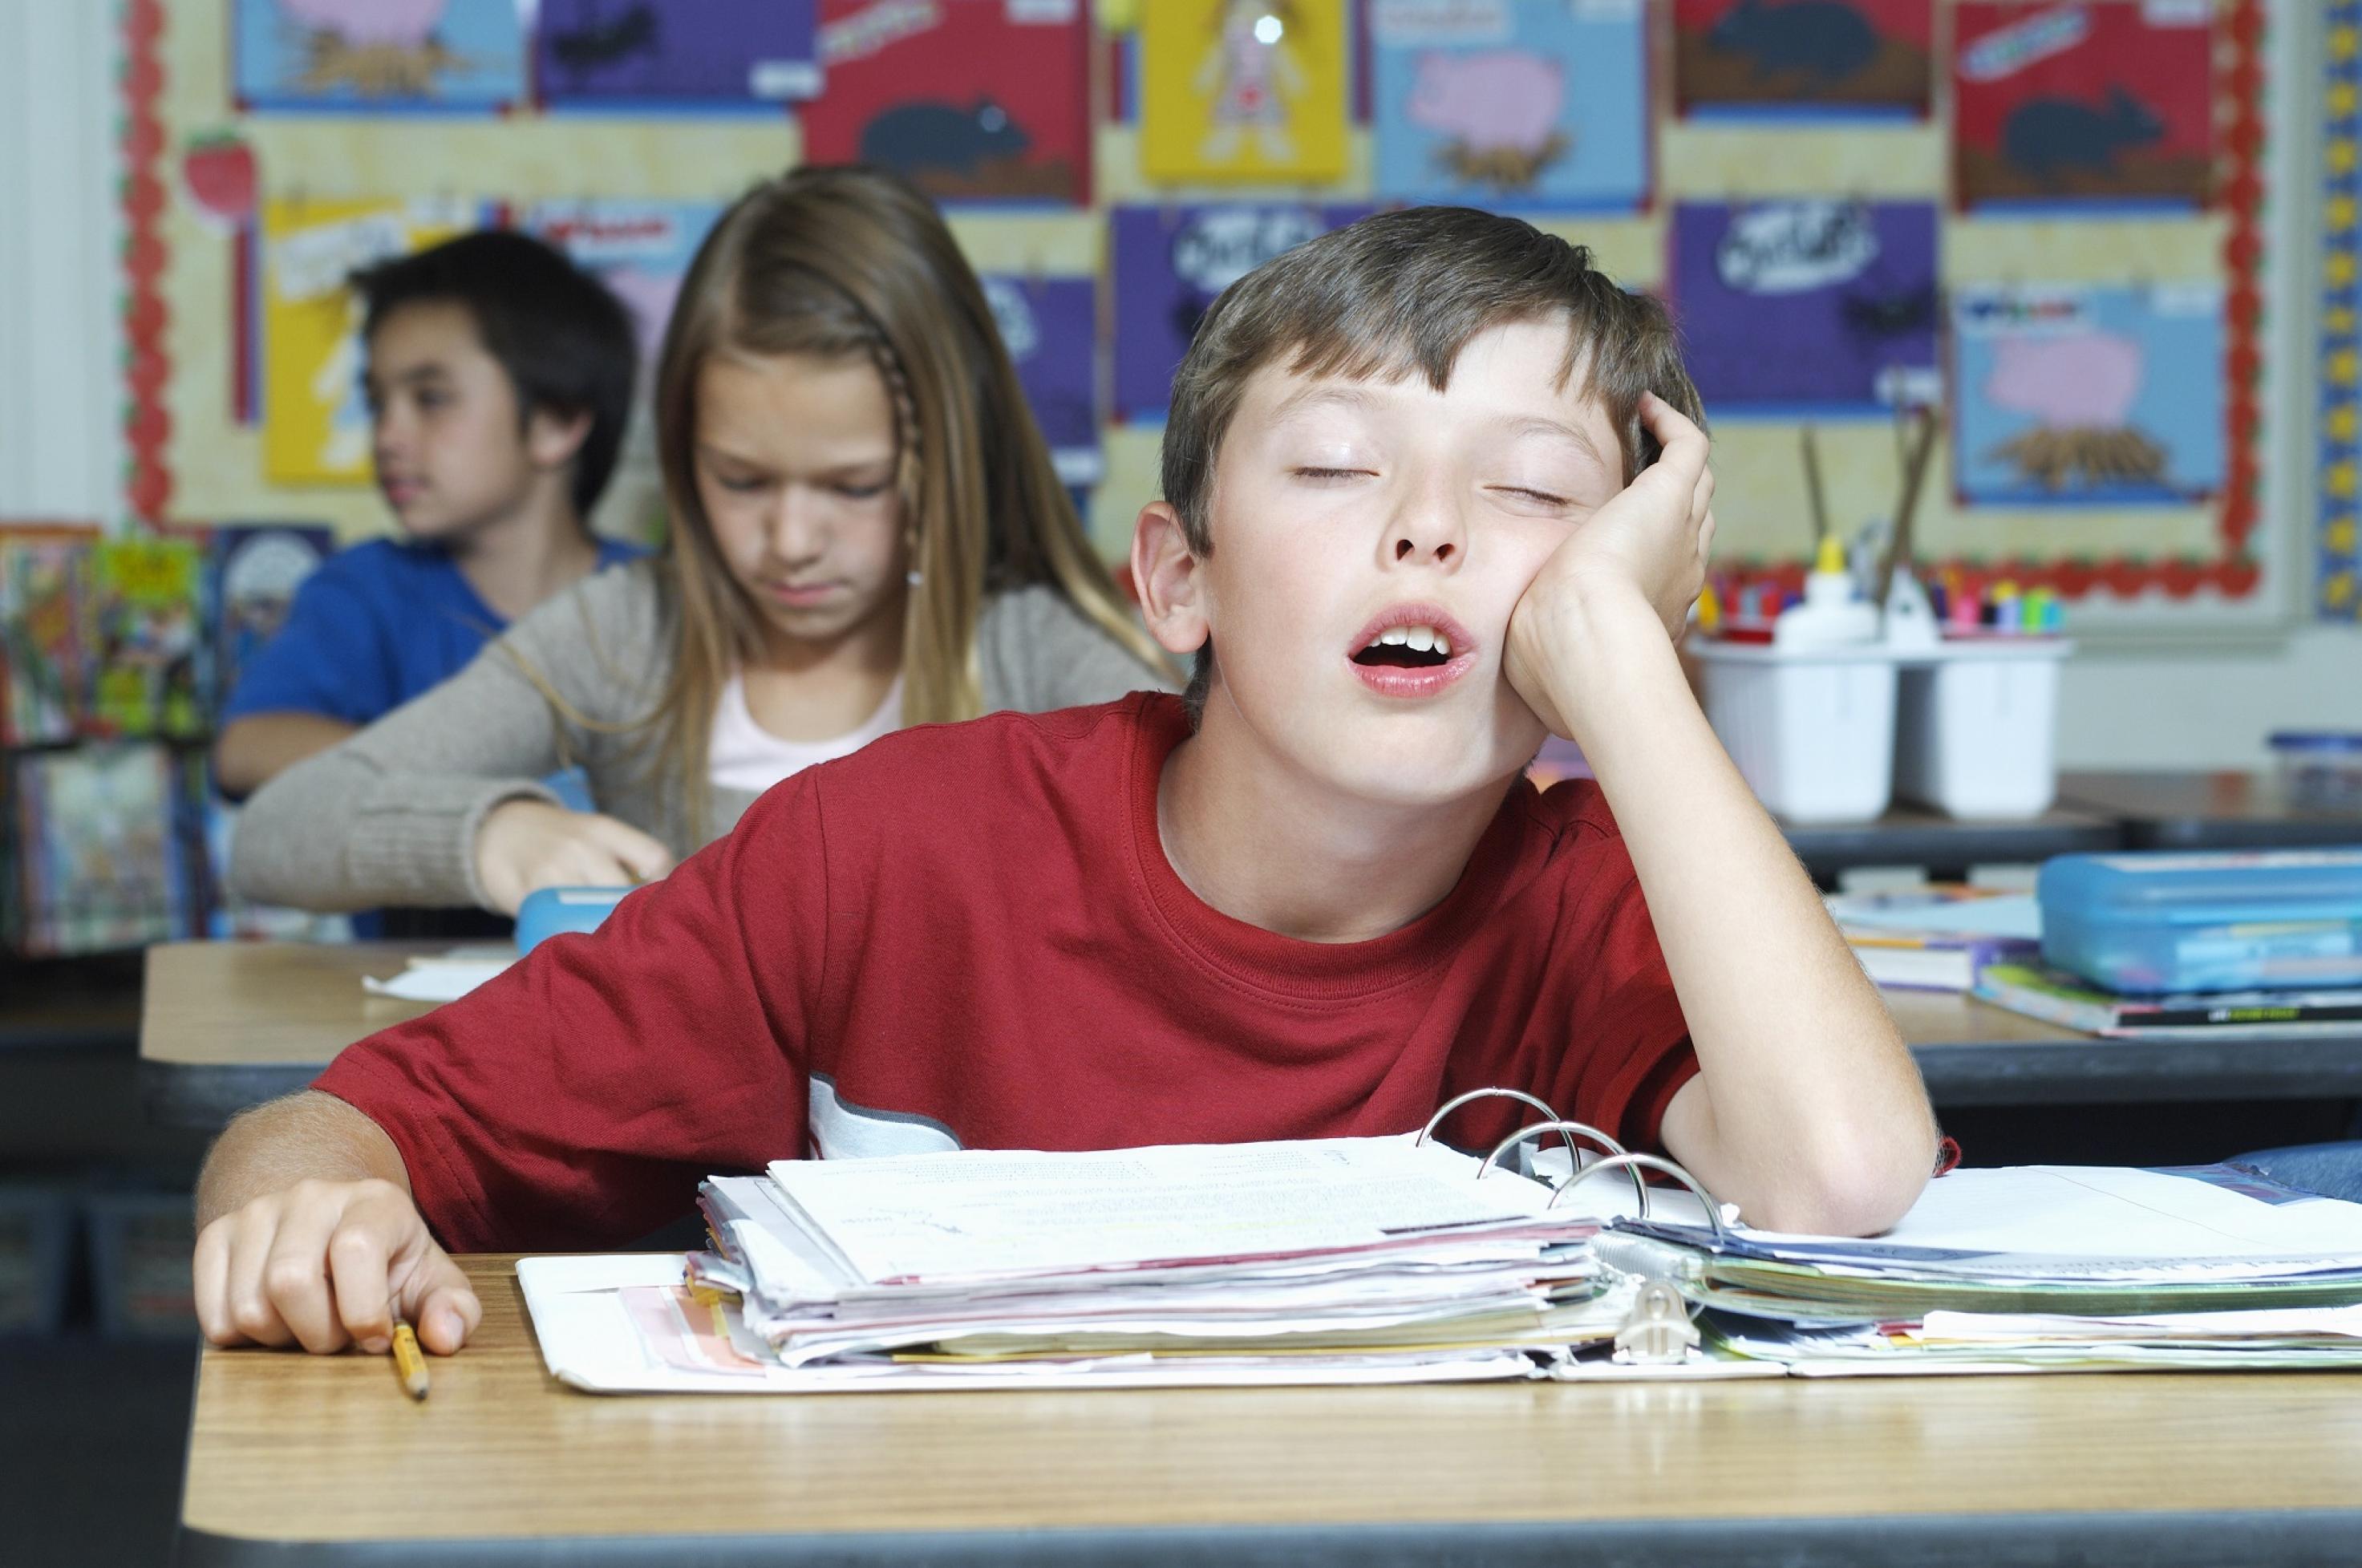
(1647, 546)
(528, 844)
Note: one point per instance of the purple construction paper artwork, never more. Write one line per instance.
(1171, 262)
(1051, 328)
(714, 54)
(1814, 305)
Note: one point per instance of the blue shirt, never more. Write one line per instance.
(373, 627)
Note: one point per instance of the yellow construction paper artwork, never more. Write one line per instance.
(1243, 89)
(315, 422)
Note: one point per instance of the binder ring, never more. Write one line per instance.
(1573, 1156)
(1567, 1130)
(1634, 1163)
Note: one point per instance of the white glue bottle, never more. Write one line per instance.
(1833, 611)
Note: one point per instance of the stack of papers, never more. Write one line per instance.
(2041, 1267)
(1372, 1260)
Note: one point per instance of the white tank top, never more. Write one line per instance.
(746, 756)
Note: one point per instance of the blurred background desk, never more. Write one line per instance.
(2206, 810)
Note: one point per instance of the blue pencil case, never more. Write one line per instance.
(2225, 922)
(549, 912)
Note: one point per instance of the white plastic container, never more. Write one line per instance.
(1811, 729)
(1977, 726)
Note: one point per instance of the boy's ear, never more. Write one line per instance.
(1165, 574)
(552, 438)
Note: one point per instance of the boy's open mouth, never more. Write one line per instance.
(1412, 650)
(1405, 648)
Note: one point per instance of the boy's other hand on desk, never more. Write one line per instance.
(327, 1264)
(523, 845)
(1647, 546)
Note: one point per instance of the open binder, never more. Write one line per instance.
(1390, 1259)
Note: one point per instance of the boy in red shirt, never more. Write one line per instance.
(1432, 483)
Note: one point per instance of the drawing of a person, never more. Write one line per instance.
(1251, 74)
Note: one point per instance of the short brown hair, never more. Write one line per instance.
(1401, 292)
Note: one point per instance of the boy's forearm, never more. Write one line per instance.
(1814, 1117)
(253, 750)
(307, 1136)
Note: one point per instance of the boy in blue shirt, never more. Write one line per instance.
(500, 378)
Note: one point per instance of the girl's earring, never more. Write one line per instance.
(915, 577)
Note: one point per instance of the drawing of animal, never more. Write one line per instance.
(1827, 40)
(1498, 110)
(2045, 137)
(596, 44)
(925, 136)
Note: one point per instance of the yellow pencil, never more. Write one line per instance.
(409, 1361)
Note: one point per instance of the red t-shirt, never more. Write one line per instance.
(968, 935)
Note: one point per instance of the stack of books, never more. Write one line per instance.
(1939, 936)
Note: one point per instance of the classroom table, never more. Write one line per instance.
(1947, 848)
(2227, 810)
(323, 1460)
(227, 1025)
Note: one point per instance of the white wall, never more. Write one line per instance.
(2210, 708)
(60, 445)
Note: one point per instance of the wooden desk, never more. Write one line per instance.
(225, 1025)
(229, 1024)
(501, 1464)
(2207, 810)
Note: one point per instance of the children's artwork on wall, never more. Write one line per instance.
(1171, 262)
(2072, 396)
(1251, 89)
(970, 100)
(1050, 328)
(640, 250)
(45, 633)
(1807, 305)
(97, 829)
(252, 571)
(460, 56)
(711, 55)
(151, 676)
(1502, 104)
(2337, 520)
(315, 425)
(2107, 104)
(1806, 58)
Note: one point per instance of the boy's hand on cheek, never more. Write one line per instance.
(1644, 551)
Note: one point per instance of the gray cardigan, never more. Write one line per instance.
(389, 816)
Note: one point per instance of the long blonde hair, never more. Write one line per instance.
(849, 260)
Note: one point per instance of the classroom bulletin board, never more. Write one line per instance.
(2049, 215)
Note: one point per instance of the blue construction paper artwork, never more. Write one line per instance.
(2089, 396)
(709, 55)
(1171, 262)
(1508, 104)
(455, 56)
(1807, 307)
(1050, 328)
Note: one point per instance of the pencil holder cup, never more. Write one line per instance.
(1977, 727)
(1811, 729)
(550, 910)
